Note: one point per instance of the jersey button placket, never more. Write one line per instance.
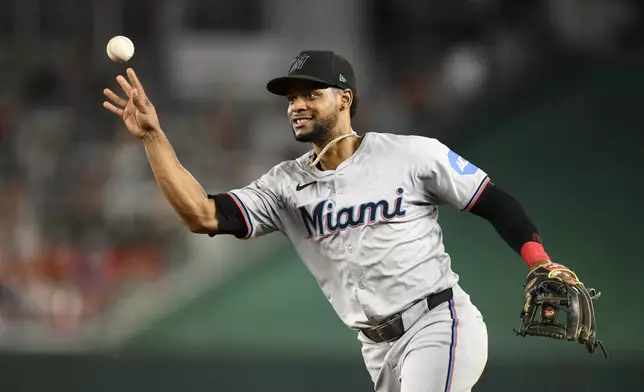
(338, 184)
(356, 275)
(348, 256)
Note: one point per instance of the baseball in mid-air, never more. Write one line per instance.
(120, 49)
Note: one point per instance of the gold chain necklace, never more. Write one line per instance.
(326, 148)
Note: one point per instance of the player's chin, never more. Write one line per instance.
(303, 134)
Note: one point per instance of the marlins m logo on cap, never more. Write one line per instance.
(298, 62)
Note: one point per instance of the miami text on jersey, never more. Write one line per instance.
(325, 219)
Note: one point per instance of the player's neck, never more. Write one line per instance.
(339, 151)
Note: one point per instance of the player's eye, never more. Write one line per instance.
(311, 95)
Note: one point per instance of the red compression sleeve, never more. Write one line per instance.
(532, 251)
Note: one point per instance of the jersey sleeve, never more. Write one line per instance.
(261, 205)
(446, 177)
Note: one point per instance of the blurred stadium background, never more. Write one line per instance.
(102, 289)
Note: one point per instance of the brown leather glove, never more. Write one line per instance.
(557, 305)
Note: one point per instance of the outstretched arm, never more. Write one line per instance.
(512, 223)
(551, 288)
(179, 187)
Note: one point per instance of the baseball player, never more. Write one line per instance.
(361, 211)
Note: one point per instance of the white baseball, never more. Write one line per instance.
(120, 49)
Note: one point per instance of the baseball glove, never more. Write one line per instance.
(558, 306)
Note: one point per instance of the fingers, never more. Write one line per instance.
(124, 85)
(114, 98)
(135, 81)
(135, 94)
(113, 109)
(139, 101)
(128, 111)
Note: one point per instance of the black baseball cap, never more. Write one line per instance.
(321, 66)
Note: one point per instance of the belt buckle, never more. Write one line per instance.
(385, 340)
(378, 328)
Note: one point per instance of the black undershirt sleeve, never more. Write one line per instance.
(507, 216)
(229, 217)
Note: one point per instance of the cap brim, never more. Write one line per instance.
(280, 86)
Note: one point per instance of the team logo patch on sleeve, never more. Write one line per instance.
(460, 164)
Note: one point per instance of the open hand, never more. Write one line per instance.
(137, 112)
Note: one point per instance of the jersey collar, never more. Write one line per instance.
(323, 173)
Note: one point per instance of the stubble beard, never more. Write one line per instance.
(320, 133)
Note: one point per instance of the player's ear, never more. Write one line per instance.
(346, 97)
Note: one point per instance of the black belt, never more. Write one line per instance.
(393, 328)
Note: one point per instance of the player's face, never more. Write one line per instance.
(312, 112)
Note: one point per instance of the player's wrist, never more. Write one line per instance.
(534, 255)
(152, 135)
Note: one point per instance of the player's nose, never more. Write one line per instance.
(298, 104)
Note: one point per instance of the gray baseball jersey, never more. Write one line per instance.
(368, 231)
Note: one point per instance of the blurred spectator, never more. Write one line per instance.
(83, 221)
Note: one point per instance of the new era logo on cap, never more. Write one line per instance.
(342, 78)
